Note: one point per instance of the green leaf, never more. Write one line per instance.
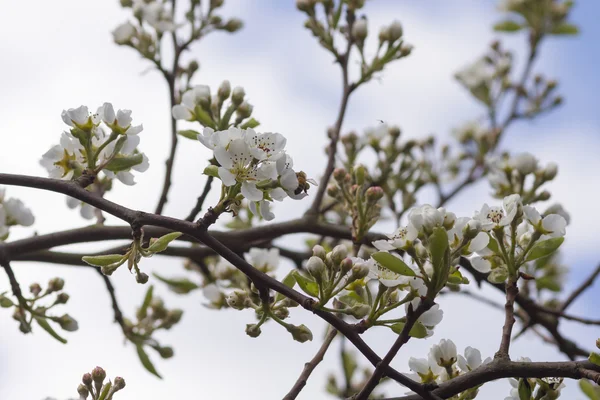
(43, 323)
(105, 391)
(565, 29)
(5, 302)
(146, 360)
(493, 244)
(549, 283)
(288, 281)
(181, 286)
(103, 261)
(544, 248)
(589, 389)
(507, 26)
(189, 133)
(438, 243)
(457, 278)
(418, 331)
(251, 123)
(309, 286)
(524, 390)
(594, 358)
(349, 364)
(392, 263)
(204, 118)
(211, 170)
(122, 163)
(162, 242)
(143, 312)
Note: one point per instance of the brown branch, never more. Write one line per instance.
(512, 290)
(501, 368)
(115, 304)
(200, 200)
(310, 366)
(577, 292)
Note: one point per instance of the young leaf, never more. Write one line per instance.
(565, 29)
(103, 261)
(5, 302)
(288, 281)
(595, 358)
(392, 263)
(251, 123)
(105, 390)
(211, 170)
(162, 242)
(507, 26)
(309, 286)
(544, 248)
(146, 360)
(146, 303)
(122, 163)
(418, 331)
(589, 389)
(189, 133)
(43, 323)
(181, 286)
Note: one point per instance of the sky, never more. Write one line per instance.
(61, 55)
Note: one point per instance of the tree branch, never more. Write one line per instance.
(577, 292)
(200, 200)
(310, 366)
(512, 290)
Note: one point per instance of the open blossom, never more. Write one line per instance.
(384, 275)
(64, 159)
(467, 225)
(444, 353)
(400, 239)
(17, 213)
(264, 260)
(471, 359)
(195, 97)
(426, 370)
(155, 14)
(426, 217)
(552, 225)
(494, 217)
(471, 130)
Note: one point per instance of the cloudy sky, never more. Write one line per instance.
(59, 55)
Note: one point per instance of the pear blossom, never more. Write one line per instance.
(400, 239)
(265, 146)
(62, 160)
(426, 370)
(495, 217)
(124, 33)
(86, 210)
(431, 318)
(471, 359)
(558, 209)
(264, 260)
(525, 163)
(197, 96)
(467, 225)
(214, 295)
(444, 353)
(17, 213)
(155, 14)
(469, 131)
(475, 75)
(263, 209)
(119, 122)
(426, 217)
(552, 225)
(78, 117)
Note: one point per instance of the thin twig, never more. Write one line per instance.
(113, 298)
(310, 366)
(577, 292)
(200, 200)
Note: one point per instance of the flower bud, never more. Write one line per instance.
(449, 219)
(395, 31)
(421, 250)
(282, 313)
(405, 49)
(598, 343)
(174, 316)
(384, 34)
(374, 194)
(35, 289)
(165, 352)
(216, 3)
(346, 265)
(244, 110)
(62, 298)
(237, 299)
(305, 5)
(141, 278)
(98, 376)
(300, 333)
(359, 271)
(338, 253)
(118, 384)
(233, 25)
(68, 323)
(525, 163)
(333, 191)
(237, 96)
(126, 3)
(83, 391)
(86, 379)
(360, 311)
(339, 174)
(315, 267)
(550, 171)
(319, 251)
(224, 90)
(543, 196)
(360, 30)
(55, 285)
(253, 330)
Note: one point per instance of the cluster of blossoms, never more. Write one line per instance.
(444, 363)
(255, 165)
(87, 145)
(12, 212)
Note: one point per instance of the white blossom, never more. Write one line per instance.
(494, 217)
(264, 260)
(124, 33)
(400, 239)
(263, 209)
(426, 217)
(191, 99)
(476, 74)
(384, 275)
(471, 359)
(444, 353)
(552, 225)
(86, 210)
(17, 213)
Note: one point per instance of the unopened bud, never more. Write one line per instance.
(118, 384)
(35, 289)
(62, 298)
(339, 174)
(333, 191)
(449, 219)
(224, 90)
(141, 278)
(174, 316)
(346, 265)
(315, 267)
(55, 285)
(395, 31)
(233, 25)
(360, 271)
(165, 352)
(472, 229)
(253, 330)
(405, 49)
(98, 375)
(68, 323)
(543, 196)
(83, 391)
(360, 30)
(193, 67)
(216, 3)
(305, 5)
(244, 110)
(126, 3)
(282, 313)
(557, 101)
(550, 171)
(598, 343)
(300, 333)
(384, 34)
(236, 299)
(237, 96)
(338, 253)
(374, 194)
(86, 379)
(319, 251)
(551, 84)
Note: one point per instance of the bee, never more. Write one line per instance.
(303, 183)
